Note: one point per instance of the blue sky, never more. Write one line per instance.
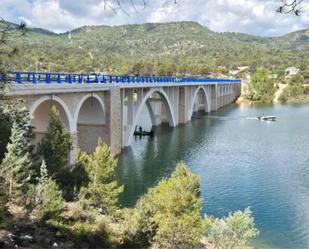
(256, 17)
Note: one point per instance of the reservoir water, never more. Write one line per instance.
(241, 162)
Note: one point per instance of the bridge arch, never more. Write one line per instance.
(39, 113)
(205, 100)
(167, 105)
(151, 112)
(89, 121)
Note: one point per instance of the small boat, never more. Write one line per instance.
(143, 133)
(267, 118)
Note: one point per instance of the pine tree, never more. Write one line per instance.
(168, 216)
(103, 189)
(43, 173)
(4, 217)
(17, 168)
(56, 145)
(48, 197)
(5, 128)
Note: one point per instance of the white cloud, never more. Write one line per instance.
(248, 16)
(258, 10)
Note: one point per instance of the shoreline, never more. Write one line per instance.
(301, 99)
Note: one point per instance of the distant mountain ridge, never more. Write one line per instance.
(293, 37)
(176, 45)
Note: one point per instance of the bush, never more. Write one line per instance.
(263, 86)
(4, 214)
(283, 98)
(103, 189)
(17, 169)
(5, 128)
(55, 147)
(234, 231)
(168, 216)
(292, 91)
(48, 197)
(297, 79)
(125, 234)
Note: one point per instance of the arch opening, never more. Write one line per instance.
(199, 103)
(158, 110)
(40, 117)
(90, 123)
(153, 110)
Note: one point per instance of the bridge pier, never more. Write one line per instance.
(183, 105)
(115, 120)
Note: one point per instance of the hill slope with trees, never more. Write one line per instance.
(179, 48)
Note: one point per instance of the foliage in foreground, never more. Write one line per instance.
(55, 147)
(17, 167)
(4, 215)
(5, 128)
(168, 216)
(48, 200)
(103, 189)
(234, 231)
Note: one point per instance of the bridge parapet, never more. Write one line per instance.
(97, 78)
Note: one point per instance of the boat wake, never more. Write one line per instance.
(262, 118)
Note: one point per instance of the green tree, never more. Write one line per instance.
(234, 231)
(48, 197)
(169, 214)
(263, 85)
(17, 167)
(55, 146)
(103, 189)
(4, 215)
(5, 128)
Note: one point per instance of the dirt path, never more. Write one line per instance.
(279, 92)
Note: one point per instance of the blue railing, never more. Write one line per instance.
(96, 78)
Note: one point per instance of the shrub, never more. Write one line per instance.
(4, 214)
(17, 169)
(292, 91)
(283, 98)
(103, 189)
(263, 86)
(55, 147)
(297, 79)
(48, 197)
(5, 128)
(234, 231)
(127, 229)
(169, 214)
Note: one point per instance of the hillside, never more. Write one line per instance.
(168, 48)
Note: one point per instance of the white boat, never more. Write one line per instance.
(267, 118)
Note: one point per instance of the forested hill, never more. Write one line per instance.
(169, 48)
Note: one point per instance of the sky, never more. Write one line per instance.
(257, 17)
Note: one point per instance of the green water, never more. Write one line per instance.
(241, 162)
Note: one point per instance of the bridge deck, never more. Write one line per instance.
(25, 83)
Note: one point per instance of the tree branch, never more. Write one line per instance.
(290, 7)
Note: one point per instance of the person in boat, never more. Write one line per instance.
(151, 133)
(140, 129)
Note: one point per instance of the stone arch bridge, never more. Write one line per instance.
(94, 105)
